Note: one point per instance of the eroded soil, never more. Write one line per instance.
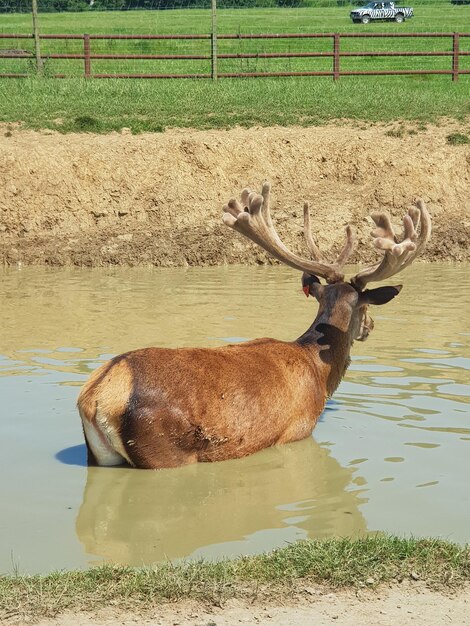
(398, 604)
(155, 199)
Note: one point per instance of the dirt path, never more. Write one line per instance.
(155, 199)
(386, 607)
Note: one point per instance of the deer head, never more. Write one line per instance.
(343, 305)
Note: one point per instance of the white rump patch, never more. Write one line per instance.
(104, 452)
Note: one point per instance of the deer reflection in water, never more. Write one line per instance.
(284, 493)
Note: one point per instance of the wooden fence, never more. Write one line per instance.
(212, 55)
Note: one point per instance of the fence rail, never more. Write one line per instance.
(336, 53)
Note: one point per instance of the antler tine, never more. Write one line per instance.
(253, 220)
(347, 248)
(397, 255)
(311, 245)
(266, 193)
(313, 249)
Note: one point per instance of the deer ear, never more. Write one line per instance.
(316, 290)
(381, 295)
(308, 280)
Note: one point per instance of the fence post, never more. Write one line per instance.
(37, 45)
(214, 40)
(86, 55)
(336, 56)
(455, 57)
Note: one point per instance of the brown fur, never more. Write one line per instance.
(174, 407)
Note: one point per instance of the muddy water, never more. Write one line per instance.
(391, 453)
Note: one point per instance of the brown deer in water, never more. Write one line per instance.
(156, 407)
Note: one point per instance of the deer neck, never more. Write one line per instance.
(329, 344)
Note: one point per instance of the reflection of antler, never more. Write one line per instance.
(397, 255)
(252, 218)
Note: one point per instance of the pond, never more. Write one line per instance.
(391, 452)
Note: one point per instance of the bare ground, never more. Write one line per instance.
(398, 604)
(155, 199)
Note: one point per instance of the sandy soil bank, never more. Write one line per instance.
(155, 199)
(395, 605)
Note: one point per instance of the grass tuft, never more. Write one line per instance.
(457, 139)
(87, 123)
(399, 133)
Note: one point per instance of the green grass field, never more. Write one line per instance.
(430, 16)
(153, 105)
(437, 17)
(103, 105)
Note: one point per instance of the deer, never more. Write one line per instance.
(155, 408)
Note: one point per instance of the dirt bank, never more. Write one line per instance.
(156, 198)
(386, 606)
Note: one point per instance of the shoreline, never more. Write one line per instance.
(296, 576)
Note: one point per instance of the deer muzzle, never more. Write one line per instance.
(367, 326)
